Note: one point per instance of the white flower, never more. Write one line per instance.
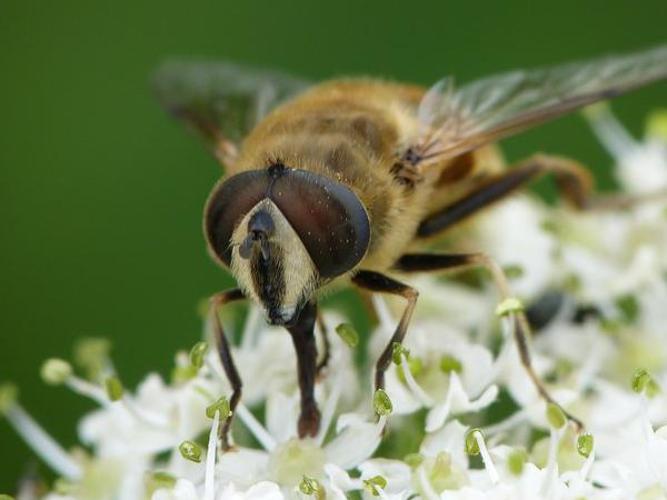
(641, 167)
(443, 371)
(266, 360)
(157, 418)
(610, 271)
(185, 490)
(513, 234)
(639, 465)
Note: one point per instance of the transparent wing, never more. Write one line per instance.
(222, 101)
(459, 120)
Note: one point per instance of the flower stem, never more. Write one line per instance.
(42, 443)
(209, 478)
(260, 433)
(85, 388)
(486, 458)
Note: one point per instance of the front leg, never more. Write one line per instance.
(225, 354)
(377, 282)
(303, 337)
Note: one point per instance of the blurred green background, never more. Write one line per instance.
(101, 193)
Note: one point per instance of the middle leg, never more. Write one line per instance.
(376, 282)
(520, 325)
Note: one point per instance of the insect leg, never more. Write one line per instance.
(521, 328)
(303, 337)
(326, 355)
(225, 354)
(574, 183)
(377, 282)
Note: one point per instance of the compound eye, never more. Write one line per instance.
(228, 203)
(328, 217)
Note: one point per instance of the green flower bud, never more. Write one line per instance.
(509, 306)
(114, 388)
(198, 353)
(55, 371)
(375, 484)
(348, 334)
(471, 444)
(8, 395)
(656, 125)
(92, 355)
(311, 486)
(397, 353)
(221, 405)
(382, 403)
(555, 416)
(585, 445)
(190, 451)
(640, 380)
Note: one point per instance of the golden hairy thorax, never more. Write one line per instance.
(352, 131)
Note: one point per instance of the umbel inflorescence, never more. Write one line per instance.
(458, 419)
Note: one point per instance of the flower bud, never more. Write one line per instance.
(114, 388)
(397, 353)
(190, 451)
(555, 416)
(381, 403)
(222, 406)
(585, 444)
(509, 306)
(55, 371)
(348, 334)
(8, 396)
(375, 484)
(311, 486)
(197, 354)
(471, 444)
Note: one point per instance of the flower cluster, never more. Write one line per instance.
(459, 418)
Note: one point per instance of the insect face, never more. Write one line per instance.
(271, 263)
(285, 232)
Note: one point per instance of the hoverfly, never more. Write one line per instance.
(339, 181)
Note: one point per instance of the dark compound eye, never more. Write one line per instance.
(229, 202)
(328, 217)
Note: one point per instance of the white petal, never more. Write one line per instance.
(182, 490)
(243, 466)
(282, 412)
(457, 401)
(450, 439)
(355, 443)
(338, 476)
(264, 490)
(398, 474)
